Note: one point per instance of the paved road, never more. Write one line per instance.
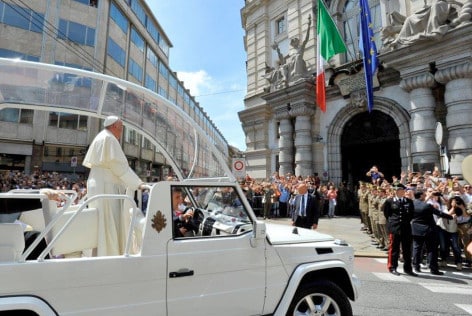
(384, 294)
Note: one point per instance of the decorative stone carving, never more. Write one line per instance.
(422, 81)
(390, 32)
(429, 23)
(348, 83)
(464, 15)
(281, 113)
(301, 110)
(290, 69)
(358, 99)
(455, 72)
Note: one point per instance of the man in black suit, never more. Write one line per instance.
(425, 231)
(399, 211)
(306, 208)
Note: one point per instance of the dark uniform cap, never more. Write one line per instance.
(398, 186)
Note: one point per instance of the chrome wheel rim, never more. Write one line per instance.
(317, 304)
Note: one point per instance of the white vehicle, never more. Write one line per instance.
(231, 263)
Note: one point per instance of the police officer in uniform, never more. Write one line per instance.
(398, 211)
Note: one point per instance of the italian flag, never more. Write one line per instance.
(329, 43)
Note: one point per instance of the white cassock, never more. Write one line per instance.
(110, 174)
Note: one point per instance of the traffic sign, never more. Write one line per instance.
(239, 168)
(73, 161)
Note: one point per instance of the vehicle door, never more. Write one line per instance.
(219, 271)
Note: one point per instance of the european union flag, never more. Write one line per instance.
(368, 50)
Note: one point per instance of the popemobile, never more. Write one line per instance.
(228, 262)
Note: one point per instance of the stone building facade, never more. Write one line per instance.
(422, 90)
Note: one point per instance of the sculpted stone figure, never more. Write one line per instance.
(464, 15)
(390, 32)
(289, 68)
(432, 21)
(296, 63)
(278, 77)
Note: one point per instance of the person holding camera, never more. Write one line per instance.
(375, 175)
(425, 231)
(449, 237)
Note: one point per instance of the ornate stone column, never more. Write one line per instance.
(303, 140)
(285, 142)
(458, 101)
(422, 119)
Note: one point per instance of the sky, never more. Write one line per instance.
(208, 56)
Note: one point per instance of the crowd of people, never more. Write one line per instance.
(425, 214)
(390, 211)
(16, 179)
(275, 197)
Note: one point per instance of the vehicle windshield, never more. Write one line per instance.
(217, 210)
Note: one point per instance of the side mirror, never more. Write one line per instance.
(258, 232)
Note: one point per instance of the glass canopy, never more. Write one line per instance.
(189, 150)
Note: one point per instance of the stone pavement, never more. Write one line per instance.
(347, 228)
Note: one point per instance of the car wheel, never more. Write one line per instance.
(320, 298)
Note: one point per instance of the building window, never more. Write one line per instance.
(180, 90)
(76, 32)
(139, 11)
(119, 18)
(173, 82)
(152, 30)
(21, 17)
(280, 25)
(150, 83)
(6, 53)
(163, 70)
(137, 39)
(23, 116)
(147, 144)
(152, 57)
(162, 91)
(117, 53)
(350, 19)
(68, 121)
(92, 3)
(135, 70)
(131, 137)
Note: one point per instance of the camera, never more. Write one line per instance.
(437, 194)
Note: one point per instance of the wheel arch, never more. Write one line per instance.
(335, 271)
(30, 304)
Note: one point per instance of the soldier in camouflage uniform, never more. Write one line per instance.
(363, 194)
(382, 220)
(373, 202)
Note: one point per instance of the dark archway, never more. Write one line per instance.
(370, 139)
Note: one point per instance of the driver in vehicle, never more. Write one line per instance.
(182, 217)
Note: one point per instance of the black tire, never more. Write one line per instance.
(320, 298)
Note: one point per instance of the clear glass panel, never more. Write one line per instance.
(60, 89)
(26, 116)
(217, 211)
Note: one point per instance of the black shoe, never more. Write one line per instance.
(411, 273)
(437, 272)
(417, 269)
(394, 272)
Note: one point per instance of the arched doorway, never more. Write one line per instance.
(370, 139)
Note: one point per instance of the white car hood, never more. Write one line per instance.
(283, 234)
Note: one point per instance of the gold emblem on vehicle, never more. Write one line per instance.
(159, 221)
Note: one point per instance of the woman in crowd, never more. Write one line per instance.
(332, 195)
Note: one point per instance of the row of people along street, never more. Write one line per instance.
(426, 216)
